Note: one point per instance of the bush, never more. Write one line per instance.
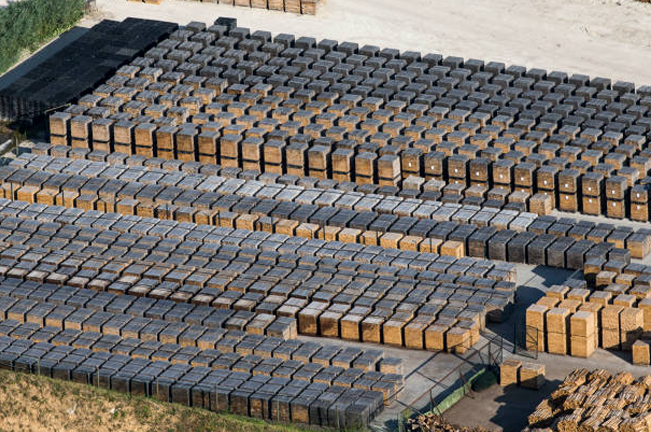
(486, 380)
(27, 24)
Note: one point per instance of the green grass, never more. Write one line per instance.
(26, 25)
(35, 403)
(484, 381)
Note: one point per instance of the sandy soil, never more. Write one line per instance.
(609, 38)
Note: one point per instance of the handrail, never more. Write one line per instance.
(452, 371)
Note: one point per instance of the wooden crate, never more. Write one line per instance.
(452, 248)
(457, 340)
(548, 302)
(641, 354)
(592, 205)
(592, 184)
(639, 211)
(557, 320)
(535, 316)
(351, 327)
(308, 320)
(59, 123)
(392, 330)
(568, 202)
(532, 375)
(510, 372)
(390, 240)
(388, 167)
(557, 343)
(645, 305)
(293, 6)
(571, 305)
(541, 204)
(309, 7)
(582, 347)
(616, 208)
(371, 329)
(329, 323)
(435, 337)
(415, 333)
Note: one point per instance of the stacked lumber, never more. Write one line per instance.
(434, 423)
(306, 7)
(75, 70)
(497, 136)
(157, 2)
(595, 401)
(577, 321)
(319, 299)
(428, 226)
(528, 375)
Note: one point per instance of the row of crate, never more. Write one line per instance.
(250, 211)
(374, 308)
(613, 154)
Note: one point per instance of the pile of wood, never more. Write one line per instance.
(307, 7)
(596, 401)
(527, 375)
(577, 321)
(147, 1)
(434, 423)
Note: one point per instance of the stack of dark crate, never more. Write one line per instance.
(79, 67)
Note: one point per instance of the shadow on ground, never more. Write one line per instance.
(40, 56)
(498, 408)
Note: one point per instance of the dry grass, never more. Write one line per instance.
(32, 403)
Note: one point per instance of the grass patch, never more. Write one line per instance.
(484, 381)
(34, 403)
(26, 25)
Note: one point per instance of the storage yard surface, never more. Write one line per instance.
(596, 37)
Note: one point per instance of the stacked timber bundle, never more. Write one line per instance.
(577, 321)
(499, 136)
(434, 423)
(527, 375)
(306, 7)
(596, 401)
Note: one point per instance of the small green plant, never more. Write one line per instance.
(484, 381)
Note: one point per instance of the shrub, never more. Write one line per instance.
(27, 24)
